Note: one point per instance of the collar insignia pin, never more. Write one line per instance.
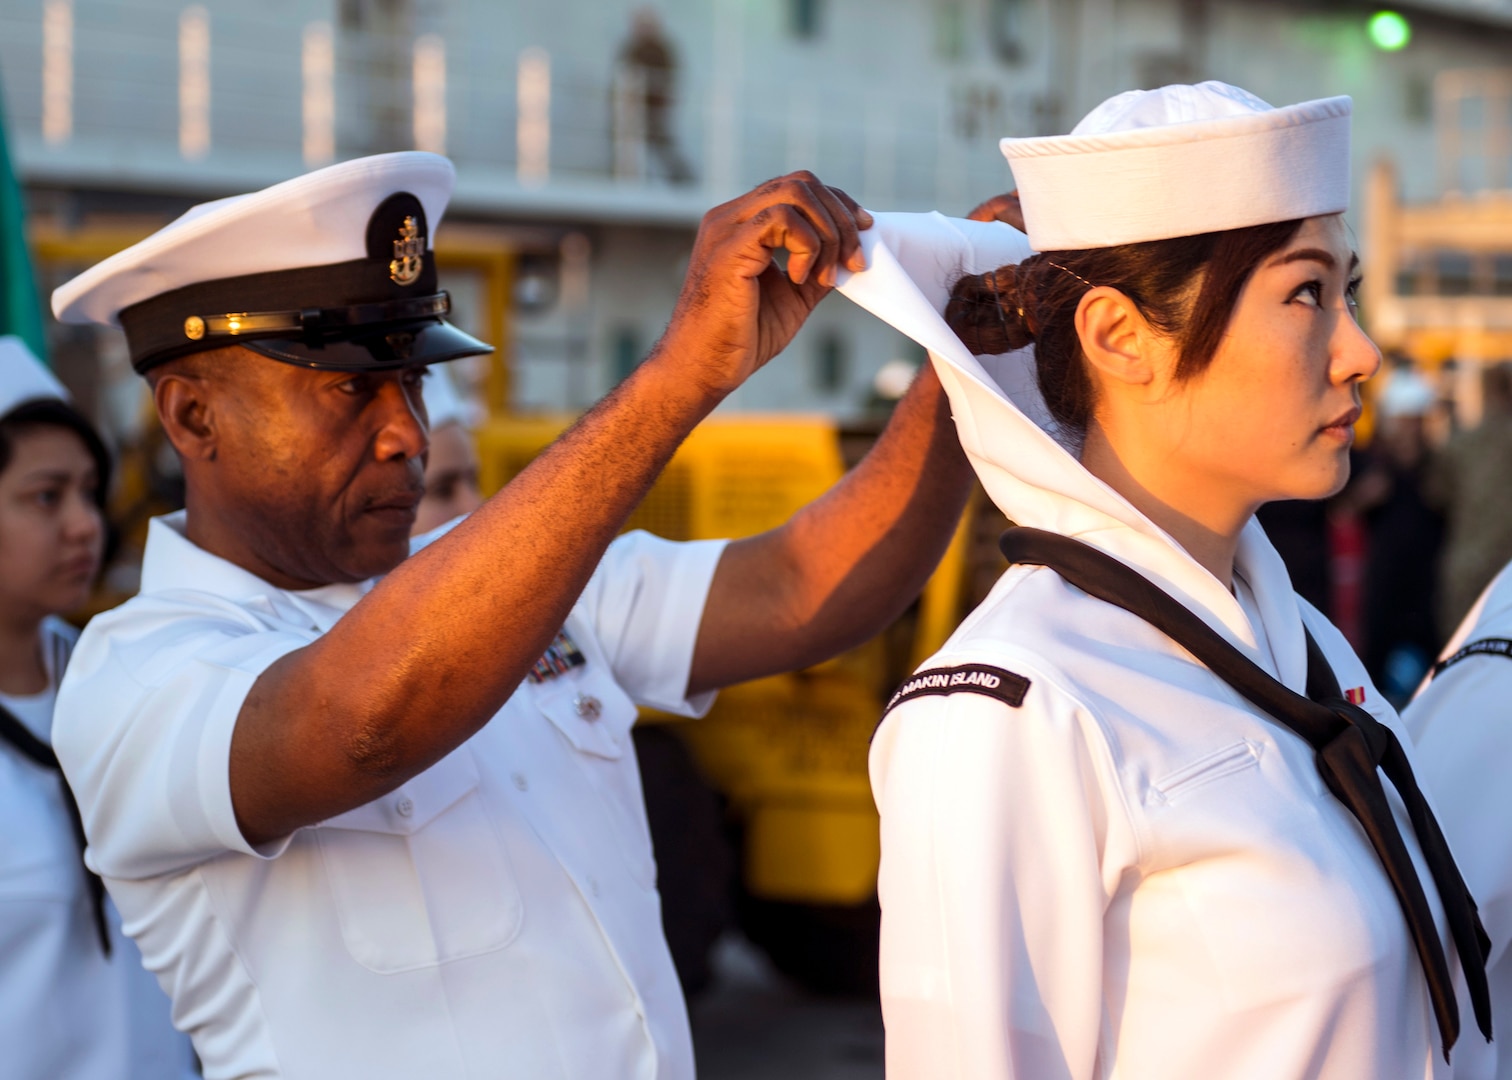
(409, 251)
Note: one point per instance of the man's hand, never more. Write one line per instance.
(1004, 208)
(737, 308)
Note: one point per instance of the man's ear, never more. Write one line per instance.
(1115, 338)
(185, 408)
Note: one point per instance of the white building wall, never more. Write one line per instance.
(898, 101)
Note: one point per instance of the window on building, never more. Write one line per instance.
(831, 363)
(804, 16)
(950, 29)
(1455, 273)
(626, 352)
(1501, 275)
(1005, 29)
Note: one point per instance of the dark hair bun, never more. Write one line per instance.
(987, 312)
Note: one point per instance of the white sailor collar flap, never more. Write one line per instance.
(1030, 473)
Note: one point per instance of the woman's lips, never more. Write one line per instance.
(1342, 427)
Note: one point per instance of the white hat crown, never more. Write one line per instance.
(23, 378)
(1179, 161)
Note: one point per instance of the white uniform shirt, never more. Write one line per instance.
(1462, 723)
(1133, 873)
(496, 916)
(66, 1010)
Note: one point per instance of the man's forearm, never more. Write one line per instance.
(484, 600)
(846, 565)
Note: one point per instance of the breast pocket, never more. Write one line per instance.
(421, 877)
(591, 712)
(1282, 900)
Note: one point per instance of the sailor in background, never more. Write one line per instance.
(451, 464)
(1144, 815)
(75, 1001)
(1461, 721)
(377, 814)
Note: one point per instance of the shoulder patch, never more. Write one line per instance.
(1484, 647)
(993, 682)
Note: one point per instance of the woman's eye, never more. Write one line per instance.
(48, 499)
(1313, 290)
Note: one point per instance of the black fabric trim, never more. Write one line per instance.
(1491, 646)
(155, 328)
(20, 738)
(994, 682)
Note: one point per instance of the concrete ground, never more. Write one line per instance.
(754, 1024)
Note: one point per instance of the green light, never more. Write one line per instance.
(1389, 31)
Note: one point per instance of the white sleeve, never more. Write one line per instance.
(1462, 754)
(1003, 839)
(645, 602)
(143, 731)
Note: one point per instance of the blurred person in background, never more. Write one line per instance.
(451, 466)
(75, 1001)
(1469, 482)
(1405, 535)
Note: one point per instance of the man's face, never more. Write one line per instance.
(320, 471)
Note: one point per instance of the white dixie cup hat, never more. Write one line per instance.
(1180, 161)
(23, 378)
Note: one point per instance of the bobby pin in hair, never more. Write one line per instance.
(1073, 273)
(997, 302)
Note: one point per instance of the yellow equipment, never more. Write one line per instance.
(788, 752)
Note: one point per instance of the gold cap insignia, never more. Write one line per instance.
(409, 253)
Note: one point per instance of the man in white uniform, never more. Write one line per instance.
(1462, 728)
(378, 816)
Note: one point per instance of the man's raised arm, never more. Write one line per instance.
(426, 658)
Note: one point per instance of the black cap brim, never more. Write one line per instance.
(432, 341)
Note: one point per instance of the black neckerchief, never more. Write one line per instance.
(1349, 746)
(14, 732)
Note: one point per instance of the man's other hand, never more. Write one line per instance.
(737, 308)
(1004, 208)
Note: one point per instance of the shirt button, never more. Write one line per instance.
(587, 706)
(520, 781)
(405, 806)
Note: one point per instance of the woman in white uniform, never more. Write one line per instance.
(75, 1001)
(1104, 853)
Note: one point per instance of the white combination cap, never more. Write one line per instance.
(23, 378)
(332, 269)
(1179, 161)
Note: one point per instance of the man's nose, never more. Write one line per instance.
(403, 433)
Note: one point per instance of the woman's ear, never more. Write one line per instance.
(184, 405)
(1115, 338)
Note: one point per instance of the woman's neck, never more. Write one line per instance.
(1202, 518)
(21, 667)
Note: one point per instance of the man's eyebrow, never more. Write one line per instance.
(1317, 255)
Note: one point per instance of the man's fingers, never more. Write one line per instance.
(845, 213)
(834, 215)
(784, 226)
(827, 216)
(1005, 208)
